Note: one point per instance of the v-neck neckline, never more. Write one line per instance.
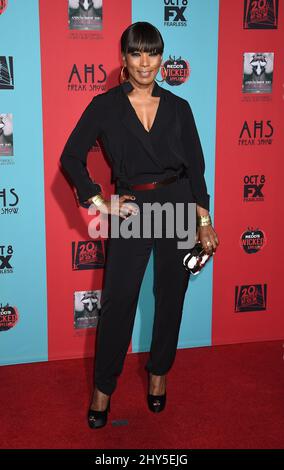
(137, 117)
(127, 87)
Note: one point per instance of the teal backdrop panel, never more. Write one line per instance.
(197, 43)
(24, 229)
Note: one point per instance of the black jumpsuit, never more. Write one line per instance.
(171, 147)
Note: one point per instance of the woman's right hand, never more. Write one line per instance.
(119, 206)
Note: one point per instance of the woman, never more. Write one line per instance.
(151, 139)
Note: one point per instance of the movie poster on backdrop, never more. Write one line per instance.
(258, 72)
(6, 135)
(85, 15)
(87, 308)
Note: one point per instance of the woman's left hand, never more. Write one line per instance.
(208, 238)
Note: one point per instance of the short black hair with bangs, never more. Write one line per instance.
(141, 36)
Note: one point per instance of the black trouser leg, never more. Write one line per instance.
(125, 267)
(170, 285)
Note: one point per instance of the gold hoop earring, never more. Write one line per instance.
(122, 77)
(160, 81)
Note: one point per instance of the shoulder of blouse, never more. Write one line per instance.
(174, 96)
(107, 95)
(184, 109)
(181, 104)
(103, 103)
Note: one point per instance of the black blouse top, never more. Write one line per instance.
(136, 155)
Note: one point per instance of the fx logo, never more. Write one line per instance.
(173, 12)
(252, 190)
(5, 259)
(253, 185)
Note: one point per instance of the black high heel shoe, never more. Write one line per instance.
(156, 403)
(98, 419)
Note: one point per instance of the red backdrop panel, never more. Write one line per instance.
(61, 49)
(232, 266)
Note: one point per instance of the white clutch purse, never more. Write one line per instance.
(196, 259)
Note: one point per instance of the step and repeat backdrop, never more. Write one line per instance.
(226, 59)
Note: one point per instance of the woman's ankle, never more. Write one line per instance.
(157, 385)
(100, 400)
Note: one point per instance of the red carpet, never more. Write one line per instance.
(218, 397)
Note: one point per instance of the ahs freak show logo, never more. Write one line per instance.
(87, 255)
(256, 133)
(3, 6)
(253, 188)
(250, 297)
(8, 201)
(6, 253)
(252, 240)
(87, 78)
(9, 317)
(175, 71)
(175, 12)
(6, 73)
(260, 14)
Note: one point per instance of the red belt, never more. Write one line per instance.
(154, 184)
